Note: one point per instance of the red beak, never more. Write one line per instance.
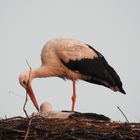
(32, 96)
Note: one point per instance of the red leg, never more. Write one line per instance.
(74, 94)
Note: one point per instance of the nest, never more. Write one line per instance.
(78, 126)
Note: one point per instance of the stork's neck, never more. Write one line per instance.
(37, 73)
(41, 72)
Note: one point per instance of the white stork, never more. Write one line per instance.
(72, 59)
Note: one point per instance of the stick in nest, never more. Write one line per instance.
(27, 132)
(123, 114)
(26, 99)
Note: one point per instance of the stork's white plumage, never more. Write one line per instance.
(72, 59)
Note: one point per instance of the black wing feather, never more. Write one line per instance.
(99, 71)
(91, 67)
(110, 70)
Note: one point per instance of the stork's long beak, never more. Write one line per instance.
(32, 96)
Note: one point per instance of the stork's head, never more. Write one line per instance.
(25, 81)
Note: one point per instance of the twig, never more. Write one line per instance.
(28, 64)
(26, 99)
(28, 129)
(12, 130)
(13, 118)
(123, 114)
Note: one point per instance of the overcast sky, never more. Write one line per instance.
(110, 26)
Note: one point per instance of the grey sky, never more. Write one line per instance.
(110, 26)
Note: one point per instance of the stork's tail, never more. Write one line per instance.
(116, 78)
(122, 91)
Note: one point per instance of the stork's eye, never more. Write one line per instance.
(24, 83)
